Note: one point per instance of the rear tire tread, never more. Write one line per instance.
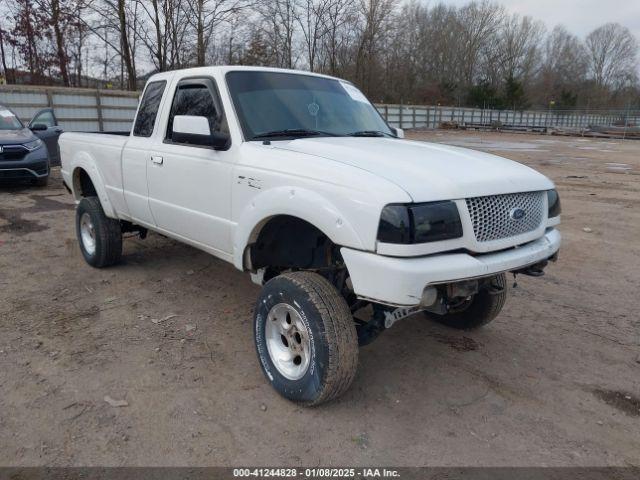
(108, 234)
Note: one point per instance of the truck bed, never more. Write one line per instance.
(104, 149)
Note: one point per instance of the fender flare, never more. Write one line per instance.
(84, 161)
(297, 202)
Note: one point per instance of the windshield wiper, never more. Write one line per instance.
(294, 132)
(370, 133)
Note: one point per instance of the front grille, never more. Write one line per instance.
(493, 216)
(13, 152)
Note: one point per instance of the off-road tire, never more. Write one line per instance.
(484, 307)
(108, 234)
(331, 333)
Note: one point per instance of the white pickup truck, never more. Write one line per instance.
(297, 179)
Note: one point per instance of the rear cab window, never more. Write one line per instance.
(148, 110)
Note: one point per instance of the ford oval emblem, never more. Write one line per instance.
(517, 213)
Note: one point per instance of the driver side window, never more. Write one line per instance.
(198, 98)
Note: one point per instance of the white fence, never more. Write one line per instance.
(77, 109)
(82, 109)
(416, 116)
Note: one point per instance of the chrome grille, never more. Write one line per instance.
(493, 216)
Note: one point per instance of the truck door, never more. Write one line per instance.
(190, 185)
(135, 156)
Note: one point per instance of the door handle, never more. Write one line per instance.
(157, 159)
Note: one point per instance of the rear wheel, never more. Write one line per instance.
(479, 310)
(305, 338)
(100, 237)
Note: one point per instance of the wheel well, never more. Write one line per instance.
(286, 242)
(82, 184)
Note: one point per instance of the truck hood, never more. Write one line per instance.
(14, 137)
(426, 171)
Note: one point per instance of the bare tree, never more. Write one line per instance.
(3, 56)
(439, 29)
(60, 19)
(30, 37)
(114, 23)
(165, 32)
(339, 15)
(518, 50)
(394, 50)
(564, 66)
(564, 56)
(426, 67)
(613, 52)
(178, 34)
(76, 41)
(278, 19)
(207, 15)
(478, 25)
(320, 22)
(59, 22)
(153, 35)
(127, 46)
(377, 20)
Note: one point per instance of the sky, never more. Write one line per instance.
(579, 16)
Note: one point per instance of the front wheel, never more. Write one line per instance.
(305, 338)
(479, 310)
(100, 237)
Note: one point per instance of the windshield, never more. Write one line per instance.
(290, 105)
(8, 120)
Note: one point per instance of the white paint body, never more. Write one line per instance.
(218, 200)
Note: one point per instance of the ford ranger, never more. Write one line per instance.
(295, 178)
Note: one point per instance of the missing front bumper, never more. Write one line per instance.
(401, 281)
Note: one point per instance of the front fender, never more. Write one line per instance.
(84, 161)
(297, 202)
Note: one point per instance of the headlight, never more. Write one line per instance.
(419, 223)
(553, 199)
(31, 146)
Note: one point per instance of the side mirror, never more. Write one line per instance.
(399, 132)
(195, 130)
(38, 127)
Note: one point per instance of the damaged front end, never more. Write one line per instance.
(444, 299)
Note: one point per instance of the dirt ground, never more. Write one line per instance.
(555, 380)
